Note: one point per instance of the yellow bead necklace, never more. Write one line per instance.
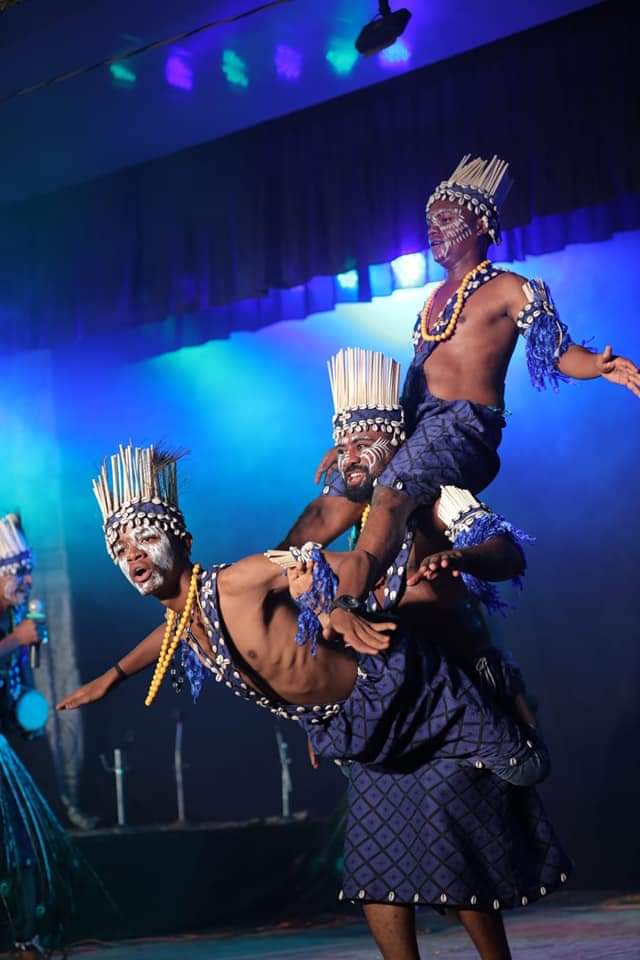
(365, 516)
(171, 639)
(425, 313)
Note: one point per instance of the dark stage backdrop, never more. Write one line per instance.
(339, 186)
(255, 412)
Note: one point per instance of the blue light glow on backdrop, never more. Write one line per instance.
(255, 412)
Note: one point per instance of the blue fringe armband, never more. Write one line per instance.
(483, 528)
(547, 336)
(316, 600)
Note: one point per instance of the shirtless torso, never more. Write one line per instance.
(473, 364)
(260, 620)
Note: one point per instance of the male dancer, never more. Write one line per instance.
(331, 694)
(454, 393)
(37, 861)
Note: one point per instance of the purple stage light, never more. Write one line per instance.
(178, 73)
(288, 62)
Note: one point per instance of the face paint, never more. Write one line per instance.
(448, 227)
(14, 588)
(157, 556)
(360, 460)
(376, 454)
(9, 588)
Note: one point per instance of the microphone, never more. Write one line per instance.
(36, 611)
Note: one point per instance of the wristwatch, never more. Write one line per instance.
(348, 603)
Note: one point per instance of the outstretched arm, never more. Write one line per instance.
(142, 655)
(495, 560)
(324, 519)
(551, 354)
(486, 547)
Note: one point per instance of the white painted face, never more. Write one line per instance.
(146, 557)
(449, 227)
(361, 458)
(14, 589)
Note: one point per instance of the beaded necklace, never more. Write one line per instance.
(425, 313)
(172, 638)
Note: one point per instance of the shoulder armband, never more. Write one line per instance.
(547, 336)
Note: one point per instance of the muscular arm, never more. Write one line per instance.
(324, 519)
(579, 363)
(497, 559)
(143, 654)
(554, 348)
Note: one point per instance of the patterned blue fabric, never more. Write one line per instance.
(453, 442)
(447, 835)
(408, 705)
(411, 704)
(443, 828)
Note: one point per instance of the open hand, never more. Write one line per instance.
(449, 562)
(359, 633)
(618, 370)
(328, 461)
(87, 693)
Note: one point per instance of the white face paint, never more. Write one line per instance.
(363, 457)
(448, 228)
(14, 589)
(377, 454)
(152, 558)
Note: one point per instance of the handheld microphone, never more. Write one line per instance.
(36, 611)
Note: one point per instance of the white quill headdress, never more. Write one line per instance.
(14, 549)
(479, 185)
(365, 385)
(142, 490)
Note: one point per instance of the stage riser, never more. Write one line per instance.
(173, 881)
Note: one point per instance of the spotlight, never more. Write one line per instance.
(410, 270)
(348, 280)
(383, 30)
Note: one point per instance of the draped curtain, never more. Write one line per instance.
(198, 241)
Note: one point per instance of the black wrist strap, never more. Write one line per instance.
(121, 674)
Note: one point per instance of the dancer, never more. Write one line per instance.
(460, 520)
(147, 536)
(37, 861)
(239, 623)
(454, 393)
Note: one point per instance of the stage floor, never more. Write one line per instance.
(571, 927)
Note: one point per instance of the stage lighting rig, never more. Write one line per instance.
(383, 30)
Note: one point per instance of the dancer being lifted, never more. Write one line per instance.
(454, 392)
